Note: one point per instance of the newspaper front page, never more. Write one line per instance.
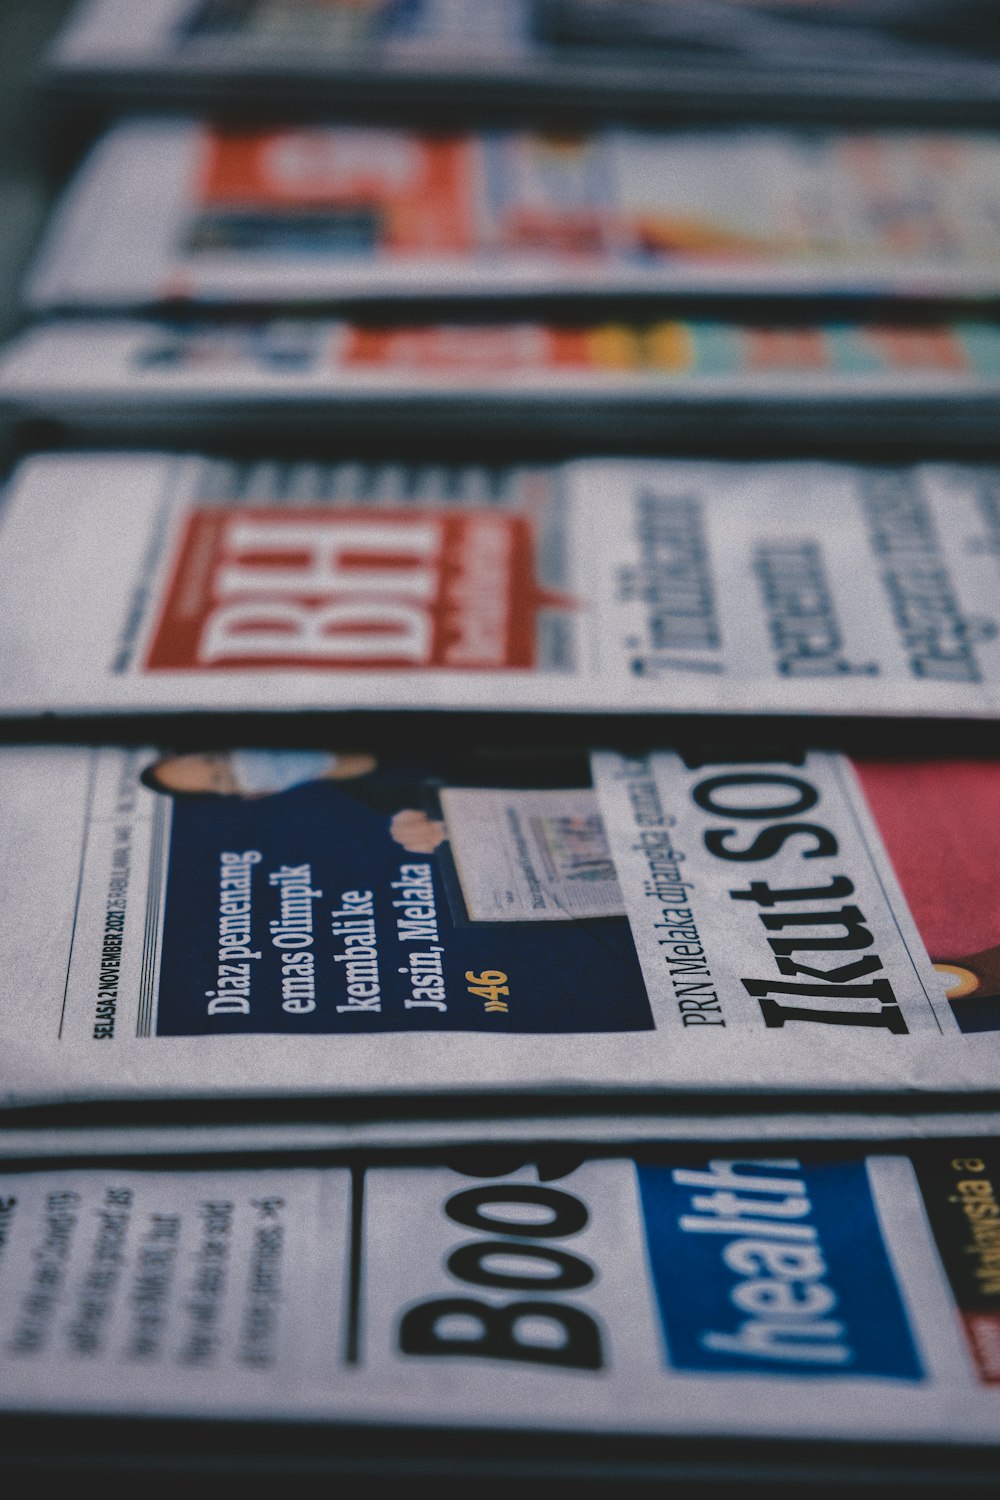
(838, 381)
(230, 924)
(171, 210)
(846, 1297)
(140, 583)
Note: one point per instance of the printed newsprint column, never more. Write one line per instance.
(250, 922)
(848, 1297)
(596, 587)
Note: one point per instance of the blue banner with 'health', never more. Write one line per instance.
(774, 1267)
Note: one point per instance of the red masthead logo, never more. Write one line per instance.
(309, 588)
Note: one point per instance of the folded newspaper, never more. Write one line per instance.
(183, 1131)
(846, 1297)
(146, 583)
(177, 211)
(663, 382)
(245, 923)
(706, 57)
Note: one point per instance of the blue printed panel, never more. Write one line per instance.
(224, 887)
(774, 1268)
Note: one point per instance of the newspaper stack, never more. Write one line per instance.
(546, 259)
(860, 59)
(502, 947)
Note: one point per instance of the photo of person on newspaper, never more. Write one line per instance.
(490, 863)
(265, 773)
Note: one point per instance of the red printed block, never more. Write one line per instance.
(420, 187)
(983, 1333)
(322, 589)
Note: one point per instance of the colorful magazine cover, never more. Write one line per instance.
(180, 212)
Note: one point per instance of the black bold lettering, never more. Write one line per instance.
(571, 1271)
(851, 918)
(497, 1337)
(842, 974)
(569, 1215)
(776, 1012)
(763, 894)
(769, 841)
(704, 794)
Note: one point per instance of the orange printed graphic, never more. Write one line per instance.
(920, 348)
(786, 349)
(419, 186)
(446, 350)
(662, 234)
(302, 588)
(520, 348)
